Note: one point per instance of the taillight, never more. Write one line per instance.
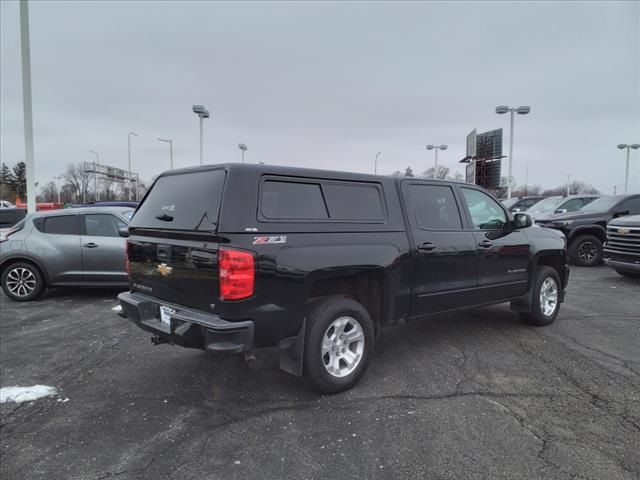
(236, 270)
(127, 265)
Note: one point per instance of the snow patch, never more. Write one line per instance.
(25, 394)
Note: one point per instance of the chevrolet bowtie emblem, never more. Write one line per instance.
(623, 231)
(164, 269)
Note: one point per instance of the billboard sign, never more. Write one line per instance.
(471, 143)
(110, 173)
(471, 172)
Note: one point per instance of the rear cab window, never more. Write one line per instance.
(283, 199)
(187, 201)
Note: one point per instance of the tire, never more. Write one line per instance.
(22, 282)
(628, 274)
(586, 250)
(541, 314)
(326, 357)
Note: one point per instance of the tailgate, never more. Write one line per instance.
(178, 271)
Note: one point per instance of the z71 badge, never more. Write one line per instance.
(269, 239)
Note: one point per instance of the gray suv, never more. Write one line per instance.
(78, 247)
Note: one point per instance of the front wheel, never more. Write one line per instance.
(586, 250)
(545, 298)
(22, 282)
(338, 344)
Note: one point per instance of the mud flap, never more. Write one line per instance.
(292, 352)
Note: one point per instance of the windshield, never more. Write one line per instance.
(184, 201)
(548, 205)
(602, 204)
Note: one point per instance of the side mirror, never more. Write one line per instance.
(522, 220)
(123, 232)
(561, 210)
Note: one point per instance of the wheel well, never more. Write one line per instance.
(11, 261)
(366, 289)
(555, 262)
(596, 232)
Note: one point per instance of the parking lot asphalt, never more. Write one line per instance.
(470, 395)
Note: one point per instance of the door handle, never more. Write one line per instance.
(486, 244)
(427, 247)
(90, 245)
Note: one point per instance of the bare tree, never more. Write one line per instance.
(49, 192)
(79, 180)
(443, 172)
(576, 187)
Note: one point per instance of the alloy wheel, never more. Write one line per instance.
(21, 282)
(342, 346)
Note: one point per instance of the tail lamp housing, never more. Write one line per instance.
(237, 272)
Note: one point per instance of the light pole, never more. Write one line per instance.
(243, 148)
(58, 178)
(170, 142)
(27, 106)
(375, 163)
(568, 179)
(436, 148)
(624, 146)
(202, 113)
(522, 110)
(129, 153)
(95, 173)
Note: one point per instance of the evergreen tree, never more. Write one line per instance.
(408, 172)
(6, 182)
(19, 180)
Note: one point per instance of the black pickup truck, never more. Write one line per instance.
(232, 257)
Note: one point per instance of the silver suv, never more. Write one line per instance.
(75, 247)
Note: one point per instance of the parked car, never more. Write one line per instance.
(521, 204)
(622, 250)
(6, 204)
(586, 229)
(232, 257)
(559, 205)
(8, 218)
(79, 247)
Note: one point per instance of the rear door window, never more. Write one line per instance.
(292, 200)
(61, 225)
(102, 225)
(435, 207)
(184, 201)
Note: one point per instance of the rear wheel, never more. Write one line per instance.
(338, 344)
(586, 250)
(22, 281)
(545, 298)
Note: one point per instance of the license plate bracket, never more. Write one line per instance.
(165, 314)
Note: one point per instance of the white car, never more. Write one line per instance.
(6, 204)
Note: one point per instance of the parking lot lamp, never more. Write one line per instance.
(375, 163)
(628, 148)
(243, 148)
(95, 173)
(522, 110)
(436, 148)
(129, 152)
(202, 113)
(170, 142)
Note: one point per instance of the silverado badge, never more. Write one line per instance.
(623, 231)
(164, 269)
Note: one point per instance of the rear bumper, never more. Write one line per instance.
(187, 327)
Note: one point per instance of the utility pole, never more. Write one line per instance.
(375, 164)
(95, 174)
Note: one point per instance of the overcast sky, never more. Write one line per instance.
(327, 84)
